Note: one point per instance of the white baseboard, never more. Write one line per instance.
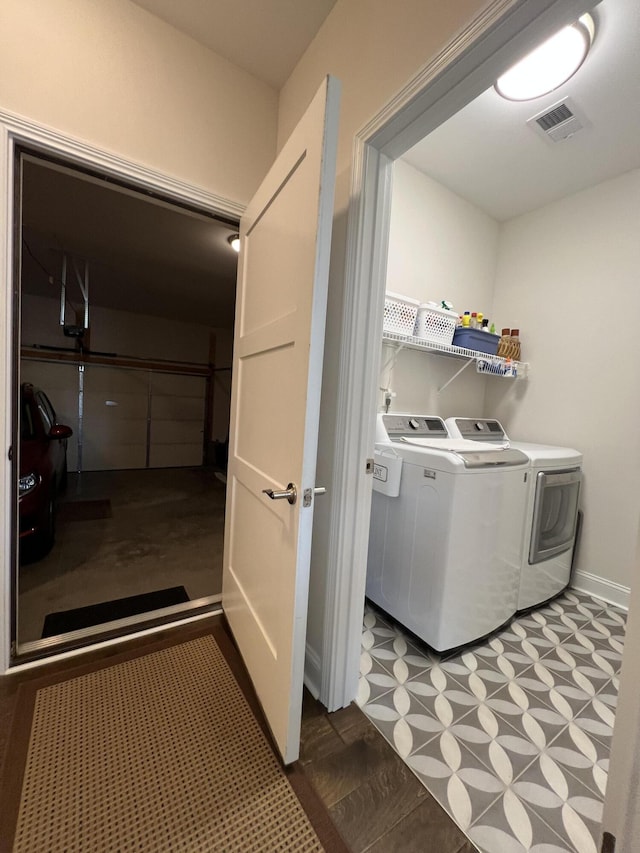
(312, 671)
(610, 591)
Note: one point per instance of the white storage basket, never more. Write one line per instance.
(435, 324)
(400, 313)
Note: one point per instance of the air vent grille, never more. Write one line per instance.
(554, 117)
(559, 122)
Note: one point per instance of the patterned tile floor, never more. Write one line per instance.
(512, 736)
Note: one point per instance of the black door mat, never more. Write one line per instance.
(64, 621)
(84, 510)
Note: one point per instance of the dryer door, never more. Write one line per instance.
(555, 513)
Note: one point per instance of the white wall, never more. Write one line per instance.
(440, 247)
(567, 275)
(116, 76)
(374, 49)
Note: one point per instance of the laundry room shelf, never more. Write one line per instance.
(488, 365)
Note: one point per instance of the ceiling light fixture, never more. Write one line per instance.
(234, 242)
(549, 65)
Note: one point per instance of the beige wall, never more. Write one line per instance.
(374, 47)
(113, 75)
(567, 275)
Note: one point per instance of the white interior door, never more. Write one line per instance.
(275, 403)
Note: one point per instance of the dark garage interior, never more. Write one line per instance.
(126, 325)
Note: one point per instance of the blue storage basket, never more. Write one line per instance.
(476, 339)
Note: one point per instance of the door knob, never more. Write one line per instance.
(290, 493)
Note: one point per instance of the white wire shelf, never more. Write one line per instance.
(491, 365)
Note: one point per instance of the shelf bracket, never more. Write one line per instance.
(456, 374)
(397, 347)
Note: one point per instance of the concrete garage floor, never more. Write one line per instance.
(166, 529)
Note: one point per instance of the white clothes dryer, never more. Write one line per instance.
(444, 541)
(550, 520)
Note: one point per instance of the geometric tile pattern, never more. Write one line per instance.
(512, 736)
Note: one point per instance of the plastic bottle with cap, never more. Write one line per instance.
(474, 320)
(479, 317)
(466, 320)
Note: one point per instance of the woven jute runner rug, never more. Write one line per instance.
(160, 752)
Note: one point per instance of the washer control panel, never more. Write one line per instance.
(398, 426)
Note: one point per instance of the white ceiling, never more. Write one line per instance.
(487, 154)
(264, 37)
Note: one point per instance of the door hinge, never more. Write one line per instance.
(10, 454)
(369, 467)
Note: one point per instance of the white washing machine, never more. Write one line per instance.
(550, 521)
(445, 537)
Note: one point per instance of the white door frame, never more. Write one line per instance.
(16, 130)
(467, 67)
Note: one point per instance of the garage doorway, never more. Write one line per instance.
(124, 329)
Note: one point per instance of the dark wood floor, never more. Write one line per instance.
(375, 801)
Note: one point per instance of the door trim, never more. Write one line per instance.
(15, 130)
(464, 69)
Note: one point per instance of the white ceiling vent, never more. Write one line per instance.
(559, 122)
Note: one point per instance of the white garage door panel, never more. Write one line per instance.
(111, 441)
(115, 419)
(177, 420)
(111, 430)
(117, 404)
(115, 407)
(112, 457)
(176, 455)
(176, 432)
(178, 408)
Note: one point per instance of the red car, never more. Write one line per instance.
(43, 467)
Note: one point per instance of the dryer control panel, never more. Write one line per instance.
(398, 426)
(477, 429)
